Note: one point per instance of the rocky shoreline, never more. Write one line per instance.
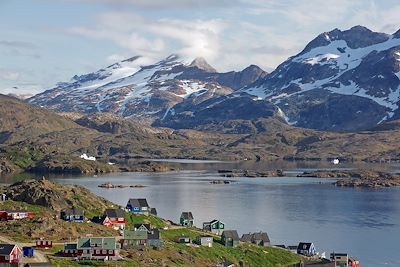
(357, 178)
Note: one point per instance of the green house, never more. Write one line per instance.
(215, 226)
(230, 238)
(186, 219)
(134, 239)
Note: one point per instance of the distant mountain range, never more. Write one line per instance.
(145, 93)
(341, 81)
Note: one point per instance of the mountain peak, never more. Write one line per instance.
(355, 37)
(202, 64)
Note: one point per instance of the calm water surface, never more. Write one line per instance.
(362, 222)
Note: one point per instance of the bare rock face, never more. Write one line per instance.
(55, 196)
(42, 193)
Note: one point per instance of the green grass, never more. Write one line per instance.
(155, 222)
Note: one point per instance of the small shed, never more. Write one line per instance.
(184, 240)
(28, 252)
(3, 197)
(206, 241)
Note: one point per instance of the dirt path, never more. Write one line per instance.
(39, 255)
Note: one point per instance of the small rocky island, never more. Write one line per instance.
(110, 185)
(357, 178)
(250, 173)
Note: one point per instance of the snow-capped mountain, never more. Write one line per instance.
(148, 92)
(341, 81)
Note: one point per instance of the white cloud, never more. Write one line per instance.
(152, 38)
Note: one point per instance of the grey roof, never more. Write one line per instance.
(73, 211)
(246, 238)
(260, 236)
(138, 202)
(5, 249)
(187, 215)
(230, 234)
(114, 213)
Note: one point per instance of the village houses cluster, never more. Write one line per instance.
(142, 235)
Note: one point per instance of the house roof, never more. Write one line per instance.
(304, 246)
(138, 202)
(135, 235)
(246, 238)
(70, 246)
(260, 236)
(99, 242)
(6, 249)
(114, 213)
(230, 234)
(73, 211)
(146, 225)
(187, 215)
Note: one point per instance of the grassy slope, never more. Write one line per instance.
(175, 254)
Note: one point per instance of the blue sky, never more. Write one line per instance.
(43, 42)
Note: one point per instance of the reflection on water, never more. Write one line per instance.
(289, 209)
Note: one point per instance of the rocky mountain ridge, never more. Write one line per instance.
(145, 93)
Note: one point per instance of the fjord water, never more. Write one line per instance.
(362, 222)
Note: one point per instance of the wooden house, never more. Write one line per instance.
(97, 248)
(10, 254)
(186, 219)
(114, 218)
(306, 249)
(11, 215)
(44, 244)
(138, 206)
(259, 239)
(70, 250)
(343, 260)
(230, 238)
(141, 235)
(215, 226)
(206, 241)
(72, 215)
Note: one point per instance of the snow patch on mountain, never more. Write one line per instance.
(321, 59)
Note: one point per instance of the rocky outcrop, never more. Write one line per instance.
(358, 178)
(55, 196)
(70, 165)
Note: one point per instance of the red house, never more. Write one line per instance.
(17, 215)
(10, 254)
(44, 244)
(114, 218)
(70, 250)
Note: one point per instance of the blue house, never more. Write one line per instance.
(306, 249)
(138, 206)
(72, 215)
